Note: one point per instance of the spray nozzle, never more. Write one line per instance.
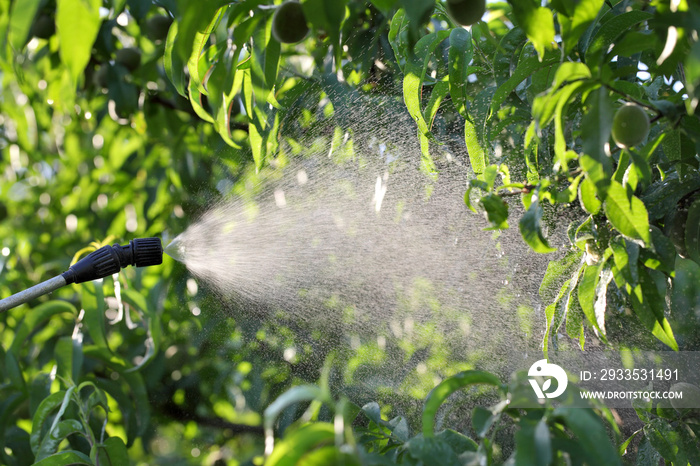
(108, 260)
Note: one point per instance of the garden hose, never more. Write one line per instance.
(104, 262)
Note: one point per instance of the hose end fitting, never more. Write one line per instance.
(108, 260)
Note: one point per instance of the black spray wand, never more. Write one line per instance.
(102, 263)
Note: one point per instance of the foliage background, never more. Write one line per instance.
(92, 145)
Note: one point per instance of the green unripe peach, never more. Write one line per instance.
(157, 27)
(466, 12)
(630, 126)
(129, 57)
(44, 27)
(289, 23)
(101, 76)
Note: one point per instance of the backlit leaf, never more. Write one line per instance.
(439, 394)
(531, 229)
(627, 213)
(75, 43)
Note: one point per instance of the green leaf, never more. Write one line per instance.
(197, 101)
(662, 438)
(14, 371)
(533, 443)
(484, 418)
(688, 450)
(568, 72)
(53, 438)
(641, 169)
(69, 357)
(196, 19)
(561, 154)
(385, 6)
(627, 213)
(65, 458)
(327, 15)
(459, 56)
(610, 31)
(292, 396)
(124, 94)
(16, 441)
(554, 314)
(632, 43)
(647, 454)
(22, 15)
(467, 199)
(174, 64)
(398, 35)
(531, 230)
(39, 389)
(527, 65)
(574, 313)
(444, 389)
(458, 442)
(75, 43)
(198, 63)
(573, 25)
(138, 424)
(686, 288)
(692, 75)
(93, 302)
(112, 452)
(427, 449)
(8, 408)
(587, 196)
(509, 49)
(47, 406)
(273, 50)
(588, 296)
(414, 75)
(671, 145)
(330, 454)
(590, 433)
(557, 271)
(664, 194)
(623, 447)
(596, 125)
(30, 324)
(692, 231)
(399, 429)
(142, 405)
(132, 418)
(138, 301)
(418, 14)
(663, 256)
(295, 445)
(439, 92)
(496, 211)
(264, 61)
(537, 22)
(373, 412)
(625, 256)
(478, 157)
(648, 305)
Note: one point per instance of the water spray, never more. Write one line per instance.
(106, 261)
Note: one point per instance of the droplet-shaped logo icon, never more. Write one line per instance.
(542, 368)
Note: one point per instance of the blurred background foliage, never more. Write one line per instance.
(126, 118)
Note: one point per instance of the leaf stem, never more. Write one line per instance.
(629, 98)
